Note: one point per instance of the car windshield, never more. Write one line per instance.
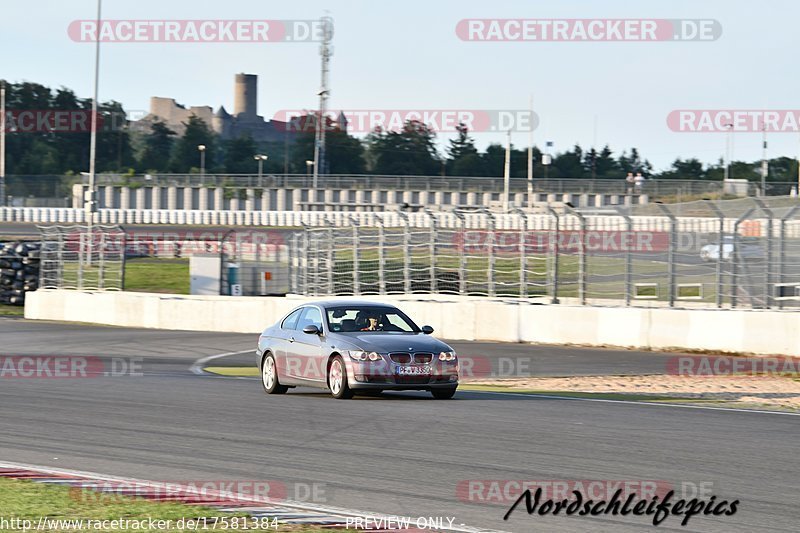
(358, 318)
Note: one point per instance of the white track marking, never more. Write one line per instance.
(197, 366)
(284, 504)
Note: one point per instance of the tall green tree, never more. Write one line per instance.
(633, 163)
(463, 157)
(240, 155)
(569, 164)
(186, 156)
(157, 148)
(601, 165)
(411, 151)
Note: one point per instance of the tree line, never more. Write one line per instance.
(411, 151)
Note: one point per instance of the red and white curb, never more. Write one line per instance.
(285, 511)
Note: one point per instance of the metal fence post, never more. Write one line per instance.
(83, 246)
(768, 265)
(101, 262)
(628, 259)
(124, 260)
(720, 239)
(356, 260)
(462, 260)
(432, 248)
(554, 251)
(406, 252)
(673, 239)
(60, 255)
(381, 255)
(523, 259)
(582, 224)
(330, 257)
(490, 271)
(304, 260)
(735, 256)
(782, 248)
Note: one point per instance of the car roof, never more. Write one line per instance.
(325, 304)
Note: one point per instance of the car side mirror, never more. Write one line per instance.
(312, 329)
(427, 330)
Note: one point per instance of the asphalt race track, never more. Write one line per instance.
(400, 454)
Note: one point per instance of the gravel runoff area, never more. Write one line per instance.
(769, 391)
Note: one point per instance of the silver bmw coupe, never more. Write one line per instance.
(353, 347)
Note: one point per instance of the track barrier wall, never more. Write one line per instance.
(453, 317)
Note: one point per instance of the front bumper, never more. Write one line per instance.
(384, 375)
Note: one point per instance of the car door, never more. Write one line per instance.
(282, 344)
(307, 362)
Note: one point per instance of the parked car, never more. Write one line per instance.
(748, 248)
(351, 347)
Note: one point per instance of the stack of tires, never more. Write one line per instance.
(19, 271)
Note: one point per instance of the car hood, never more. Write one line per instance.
(391, 342)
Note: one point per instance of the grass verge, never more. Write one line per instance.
(12, 310)
(157, 275)
(27, 500)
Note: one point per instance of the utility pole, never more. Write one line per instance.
(325, 52)
(3, 145)
(507, 173)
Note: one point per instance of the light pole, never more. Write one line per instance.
(309, 166)
(90, 201)
(202, 149)
(260, 158)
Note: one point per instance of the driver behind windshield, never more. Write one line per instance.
(372, 321)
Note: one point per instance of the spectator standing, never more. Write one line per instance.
(629, 182)
(638, 182)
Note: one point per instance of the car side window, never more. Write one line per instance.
(311, 316)
(291, 321)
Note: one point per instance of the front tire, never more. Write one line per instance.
(337, 379)
(443, 394)
(269, 376)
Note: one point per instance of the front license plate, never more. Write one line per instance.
(414, 370)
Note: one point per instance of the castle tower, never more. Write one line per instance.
(245, 99)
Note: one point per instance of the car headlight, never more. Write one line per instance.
(360, 355)
(447, 356)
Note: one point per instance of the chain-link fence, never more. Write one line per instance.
(253, 263)
(725, 254)
(72, 257)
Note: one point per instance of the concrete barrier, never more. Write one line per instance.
(467, 318)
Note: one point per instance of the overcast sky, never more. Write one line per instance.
(407, 55)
